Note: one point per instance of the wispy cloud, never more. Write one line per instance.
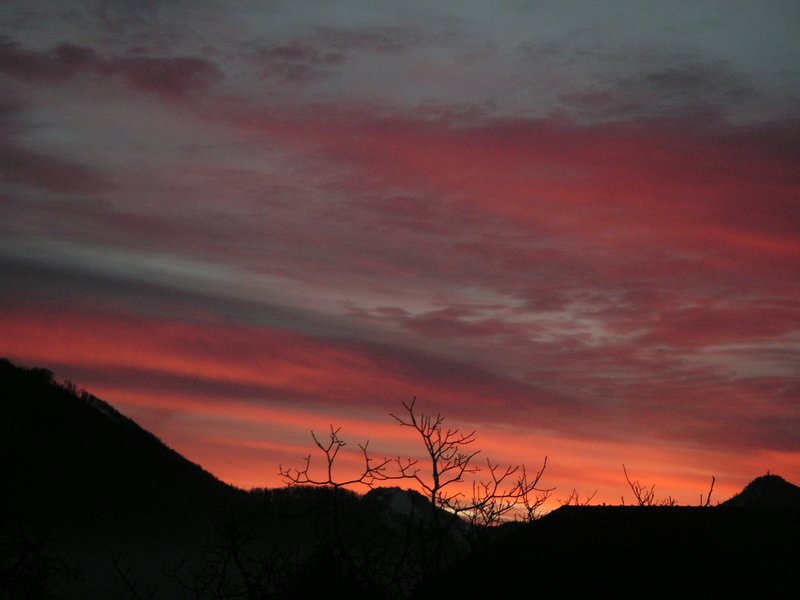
(530, 223)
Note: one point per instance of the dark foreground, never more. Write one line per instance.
(638, 552)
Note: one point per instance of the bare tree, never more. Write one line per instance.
(429, 538)
(574, 499)
(372, 471)
(450, 458)
(646, 496)
(353, 548)
(491, 504)
(449, 452)
(533, 496)
(708, 496)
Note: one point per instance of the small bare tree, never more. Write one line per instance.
(449, 452)
(353, 548)
(574, 499)
(533, 496)
(449, 464)
(646, 496)
(430, 539)
(372, 471)
(708, 496)
(450, 458)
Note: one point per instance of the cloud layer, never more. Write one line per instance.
(581, 242)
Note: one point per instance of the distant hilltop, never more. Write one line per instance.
(767, 491)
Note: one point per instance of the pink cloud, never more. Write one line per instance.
(656, 184)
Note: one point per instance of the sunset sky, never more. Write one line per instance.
(572, 226)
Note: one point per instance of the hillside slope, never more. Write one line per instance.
(84, 487)
(76, 458)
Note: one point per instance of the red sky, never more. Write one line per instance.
(575, 229)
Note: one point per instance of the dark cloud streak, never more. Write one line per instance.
(170, 77)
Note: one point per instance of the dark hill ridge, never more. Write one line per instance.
(767, 491)
(80, 484)
(74, 457)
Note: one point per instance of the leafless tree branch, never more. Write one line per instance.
(493, 498)
(372, 471)
(646, 496)
(710, 490)
(574, 499)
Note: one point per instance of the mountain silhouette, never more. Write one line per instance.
(767, 491)
(76, 458)
(81, 482)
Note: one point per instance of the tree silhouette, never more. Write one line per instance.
(373, 470)
(574, 499)
(457, 518)
(451, 458)
(646, 496)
